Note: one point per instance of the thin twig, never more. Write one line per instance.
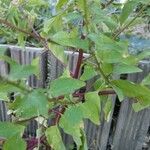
(128, 24)
(79, 62)
(25, 120)
(86, 15)
(100, 69)
(92, 52)
(14, 83)
(33, 34)
(10, 25)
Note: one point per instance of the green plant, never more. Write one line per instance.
(82, 26)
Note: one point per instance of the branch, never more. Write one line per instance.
(79, 62)
(25, 120)
(58, 115)
(100, 69)
(92, 51)
(15, 84)
(33, 34)
(10, 25)
(103, 92)
(127, 25)
(86, 15)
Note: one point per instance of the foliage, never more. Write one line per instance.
(91, 26)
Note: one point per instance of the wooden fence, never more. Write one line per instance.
(126, 130)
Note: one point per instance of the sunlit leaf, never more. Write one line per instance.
(108, 109)
(66, 39)
(138, 107)
(54, 138)
(88, 73)
(14, 142)
(31, 105)
(136, 91)
(64, 86)
(91, 107)
(123, 69)
(146, 80)
(8, 130)
(71, 122)
(58, 51)
(127, 10)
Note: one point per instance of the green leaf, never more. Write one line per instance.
(146, 80)
(88, 73)
(71, 122)
(48, 24)
(2, 50)
(109, 56)
(35, 66)
(122, 69)
(8, 88)
(84, 141)
(105, 43)
(107, 68)
(144, 54)
(138, 107)
(8, 130)
(127, 10)
(58, 51)
(15, 142)
(91, 107)
(68, 39)
(4, 96)
(18, 71)
(145, 1)
(54, 138)
(36, 3)
(130, 60)
(31, 105)
(108, 109)
(72, 16)
(99, 84)
(61, 3)
(100, 16)
(137, 91)
(64, 86)
(119, 93)
(7, 59)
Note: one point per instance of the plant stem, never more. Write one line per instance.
(79, 62)
(100, 69)
(127, 25)
(86, 15)
(25, 120)
(92, 51)
(8, 24)
(15, 84)
(33, 34)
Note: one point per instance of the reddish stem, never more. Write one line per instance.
(107, 92)
(75, 75)
(104, 92)
(79, 62)
(58, 115)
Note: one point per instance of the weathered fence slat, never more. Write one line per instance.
(132, 127)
